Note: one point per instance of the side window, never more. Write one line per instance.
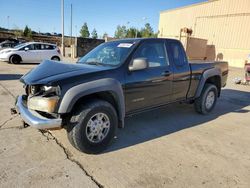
(37, 46)
(30, 47)
(51, 47)
(178, 54)
(42, 46)
(6, 45)
(154, 52)
(47, 47)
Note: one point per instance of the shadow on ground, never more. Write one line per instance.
(10, 76)
(29, 64)
(174, 118)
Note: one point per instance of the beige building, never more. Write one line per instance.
(224, 23)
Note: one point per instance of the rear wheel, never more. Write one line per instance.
(207, 100)
(55, 58)
(15, 59)
(92, 126)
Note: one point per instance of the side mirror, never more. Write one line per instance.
(26, 49)
(138, 64)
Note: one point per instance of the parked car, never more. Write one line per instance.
(8, 44)
(121, 78)
(31, 52)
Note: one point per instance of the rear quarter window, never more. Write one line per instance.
(178, 54)
(47, 47)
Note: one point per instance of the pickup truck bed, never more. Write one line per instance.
(199, 67)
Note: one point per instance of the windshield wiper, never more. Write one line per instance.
(93, 63)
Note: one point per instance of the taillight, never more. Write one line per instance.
(58, 51)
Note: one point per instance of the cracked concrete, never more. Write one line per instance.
(172, 147)
(8, 91)
(49, 137)
(5, 122)
(27, 158)
(69, 155)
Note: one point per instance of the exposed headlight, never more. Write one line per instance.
(50, 90)
(38, 90)
(44, 104)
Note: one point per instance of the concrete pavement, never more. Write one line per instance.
(170, 147)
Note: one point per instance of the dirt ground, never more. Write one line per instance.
(170, 147)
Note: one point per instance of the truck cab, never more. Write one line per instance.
(166, 79)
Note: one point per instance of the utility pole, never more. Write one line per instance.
(71, 23)
(62, 12)
(76, 30)
(8, 21)
(75, 45)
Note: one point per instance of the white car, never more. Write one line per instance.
(30, 52)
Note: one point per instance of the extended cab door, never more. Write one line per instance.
(151, 86)
(181, 70)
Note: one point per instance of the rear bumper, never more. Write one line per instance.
(34, 119)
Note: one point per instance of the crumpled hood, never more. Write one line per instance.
(49, 71)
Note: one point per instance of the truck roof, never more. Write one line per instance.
(141, 39)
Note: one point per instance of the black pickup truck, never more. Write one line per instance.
(91, 98)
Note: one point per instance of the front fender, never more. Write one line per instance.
(107, 84)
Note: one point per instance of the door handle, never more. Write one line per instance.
(166, 73)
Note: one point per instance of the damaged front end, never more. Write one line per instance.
(43, 98)
(38, 107)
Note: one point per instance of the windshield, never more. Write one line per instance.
(20, 45)
(111, 53)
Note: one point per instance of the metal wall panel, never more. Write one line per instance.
(225, 23)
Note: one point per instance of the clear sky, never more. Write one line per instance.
(45, 15)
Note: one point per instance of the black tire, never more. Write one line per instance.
(77, 126)
(200, 103)
(15, 59)
(55, 58)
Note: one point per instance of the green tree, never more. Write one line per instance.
(156, 34)
(147, 31)
(94, 34)
(18, 33)
(121, 32)
(84, 31)
(133, 33)
(27, 32)
(3, 29)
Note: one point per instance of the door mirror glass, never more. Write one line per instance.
(138, 64)
(26, 48)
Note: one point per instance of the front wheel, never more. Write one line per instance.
(92, 126)
(207, 100)
(15, 59)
